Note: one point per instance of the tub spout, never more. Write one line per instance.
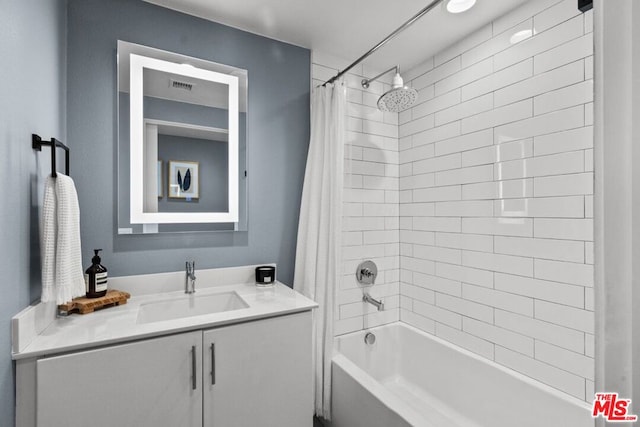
(378, 303)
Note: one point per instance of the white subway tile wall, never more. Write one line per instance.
(371, 228)
(496, 196)
(477, 203)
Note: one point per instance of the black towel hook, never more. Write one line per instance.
(37, 143)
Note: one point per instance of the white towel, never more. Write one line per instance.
(62, 278)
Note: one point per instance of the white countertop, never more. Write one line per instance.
(119, 324)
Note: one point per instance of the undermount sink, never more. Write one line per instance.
(190, 305)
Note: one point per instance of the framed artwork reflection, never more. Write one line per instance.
(184, 180)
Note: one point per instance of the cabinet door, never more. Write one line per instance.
(259, 374)
(143, 384)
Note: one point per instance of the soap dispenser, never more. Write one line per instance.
(95, 277)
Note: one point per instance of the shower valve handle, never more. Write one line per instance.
(366, 273)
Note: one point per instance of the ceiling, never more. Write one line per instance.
(348, 28)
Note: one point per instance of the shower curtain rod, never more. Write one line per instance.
(386, 39)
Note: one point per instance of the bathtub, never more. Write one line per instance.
(410, 378)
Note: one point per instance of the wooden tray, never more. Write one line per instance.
(84, 305)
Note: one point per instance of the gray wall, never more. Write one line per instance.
(278, 133)
(32, 48)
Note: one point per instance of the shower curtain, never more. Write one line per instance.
(317, 269)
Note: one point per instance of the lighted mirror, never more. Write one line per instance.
(182, 143)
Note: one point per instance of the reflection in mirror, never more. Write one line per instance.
(182, 143)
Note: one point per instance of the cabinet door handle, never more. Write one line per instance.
(193, 368)
(213, 364)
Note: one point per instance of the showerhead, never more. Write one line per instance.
(398, 98)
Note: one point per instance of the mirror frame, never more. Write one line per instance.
(137, 140)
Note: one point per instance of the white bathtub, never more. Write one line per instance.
(410, 378)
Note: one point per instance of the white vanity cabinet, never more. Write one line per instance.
(256, 373)
(145, 384)
(259, 374)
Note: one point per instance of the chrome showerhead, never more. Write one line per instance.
(399, 98)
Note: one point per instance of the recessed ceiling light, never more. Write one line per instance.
(459, 6)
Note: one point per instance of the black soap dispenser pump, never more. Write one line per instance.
(95, 277)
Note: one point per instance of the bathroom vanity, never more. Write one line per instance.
(227, 355)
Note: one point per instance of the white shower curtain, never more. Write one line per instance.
(317, 270)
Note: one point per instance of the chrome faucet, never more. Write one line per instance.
(378, 303)
(190, 280)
